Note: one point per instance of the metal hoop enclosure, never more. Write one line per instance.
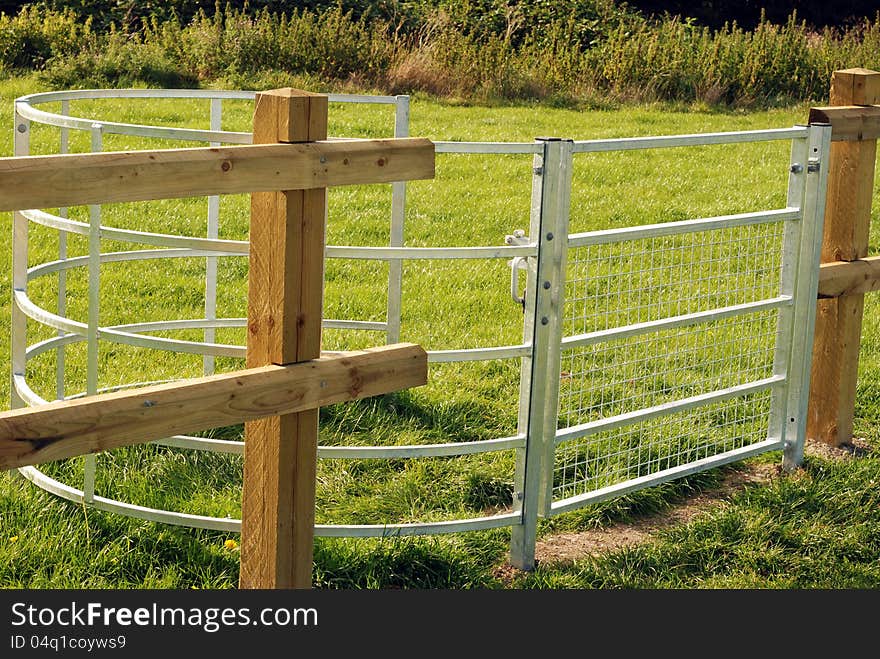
(569, 453)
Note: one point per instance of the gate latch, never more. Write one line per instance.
(516, 264)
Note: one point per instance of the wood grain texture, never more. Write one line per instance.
(100, 178)
(845, 238)
(849, 123)
(64, 429)
(285, 295)
(848, 277)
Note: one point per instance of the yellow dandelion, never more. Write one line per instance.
(230, 544)
(13, 539)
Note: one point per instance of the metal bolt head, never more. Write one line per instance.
(549, 236)
(22, 128)
(797, 168)
(546, 285)
(545, 320)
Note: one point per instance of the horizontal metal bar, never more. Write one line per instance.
(607, 236)
(240, 247)
(685, 320)
(141, 237)
(612, 491)
(26, 108)
(92, 94)
(449, 449)
(385, 253)
(128, 334)
(31, 310)
(138, 512)
(477, 354)
(425, 528)
(488, 148)
(665, 409)
(234, 525)
(700, 139)
(362, 98)
(230, 447)
(128, 338)
(120, 257)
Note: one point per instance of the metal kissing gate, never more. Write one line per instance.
(648, 353)
(665, 349)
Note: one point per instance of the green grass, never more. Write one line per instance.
(768, 536)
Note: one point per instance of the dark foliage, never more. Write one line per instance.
(747, 13)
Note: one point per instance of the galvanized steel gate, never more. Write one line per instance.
(665, 349)
(648, 352)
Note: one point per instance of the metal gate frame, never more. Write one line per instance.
(546, 283)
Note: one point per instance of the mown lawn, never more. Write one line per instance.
(816, 528)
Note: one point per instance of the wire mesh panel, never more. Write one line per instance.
(638, 281)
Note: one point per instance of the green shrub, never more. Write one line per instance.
(119, 60)
(33, 36)
(570, 51)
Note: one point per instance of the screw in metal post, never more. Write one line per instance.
(544, 320)
(546, 285)
(22, 128)
(549, 236)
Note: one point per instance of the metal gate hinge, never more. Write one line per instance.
(813, 165)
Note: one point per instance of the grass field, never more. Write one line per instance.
(817, 528)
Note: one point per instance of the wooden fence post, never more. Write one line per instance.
(285, 290)
(847, 221)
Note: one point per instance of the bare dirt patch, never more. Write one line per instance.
(562, 548)
(568, 547)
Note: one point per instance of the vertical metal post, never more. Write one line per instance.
(94, 274)
(551, 292)
(791, 241)
(18, 337)
(18, 329)
(551, 186)
(398, 214)
(211, 261)
(805, 293)
(62, 273)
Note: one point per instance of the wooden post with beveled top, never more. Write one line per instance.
(847, 221)
(285, 290)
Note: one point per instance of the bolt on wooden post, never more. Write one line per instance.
(845, 238)
(285, 290)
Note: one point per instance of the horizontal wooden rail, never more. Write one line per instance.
(64, 429)
(849, 277)
(849, 122)
(100, 178)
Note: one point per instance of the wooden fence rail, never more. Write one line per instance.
(846, 274)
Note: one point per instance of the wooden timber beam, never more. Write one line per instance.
(849, 123)
(845, 237)
(849, 277)
(100, 178)
(68, 428)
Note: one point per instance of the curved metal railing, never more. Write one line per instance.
(211, 247)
